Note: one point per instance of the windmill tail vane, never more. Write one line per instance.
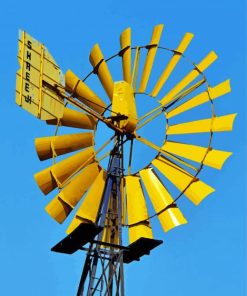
(111, 200)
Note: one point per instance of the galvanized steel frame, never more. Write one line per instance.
(111, 278)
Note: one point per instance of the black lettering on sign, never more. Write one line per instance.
(28, 66)
(26, 86)
(29, 55)
(28, 99)
(29, 44)
(27, 76)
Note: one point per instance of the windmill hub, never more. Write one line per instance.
(123, 104)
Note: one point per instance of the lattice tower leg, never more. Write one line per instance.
(103, 267)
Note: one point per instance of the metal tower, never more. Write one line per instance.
(105, 197)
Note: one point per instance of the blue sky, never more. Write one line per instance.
(205, 257)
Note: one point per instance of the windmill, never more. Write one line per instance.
(108, 200)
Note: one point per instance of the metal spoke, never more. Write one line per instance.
(179, 97)
(74, 102)
(157, 148)
(135, 69)
(186, 92)
(149, 119)
(130, 156)
(86, 162)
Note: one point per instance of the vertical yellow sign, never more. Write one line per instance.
(39, 81)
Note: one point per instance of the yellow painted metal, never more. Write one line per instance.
(217, 124)
(110, 232)
(160, 150)
(212, 93)
(108, 237)
(152, 49)
(137, 210)
(55, 175)
(220, 89)
(172, 63)
(82, 92)
(124, 202)
(156, 114)
(124, 103)
(184, 43)
(214, 158)
(141, 230)
(60, 207)
(75, 119)
(125, 43)
(196, 190)
(202, 66)
(101, 69)
(156, 111)
(47, 147)
(88, 210)
(134, 74)
(38, 79)
(161, 199)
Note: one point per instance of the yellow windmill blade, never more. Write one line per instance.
(125, 43)
(55, 175)
(101, 69)
(81, 91)
(208, 156)
(193, 188)
(215, 124)
(211, 94)
(88, 210)
(61, 206)
(202, 66)
(73, 118)
(169, 215)
(124, 202)
(152, 49)
(172, 63)
(47, 147)
(137, 210)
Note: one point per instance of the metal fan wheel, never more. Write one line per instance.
(178, 162)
